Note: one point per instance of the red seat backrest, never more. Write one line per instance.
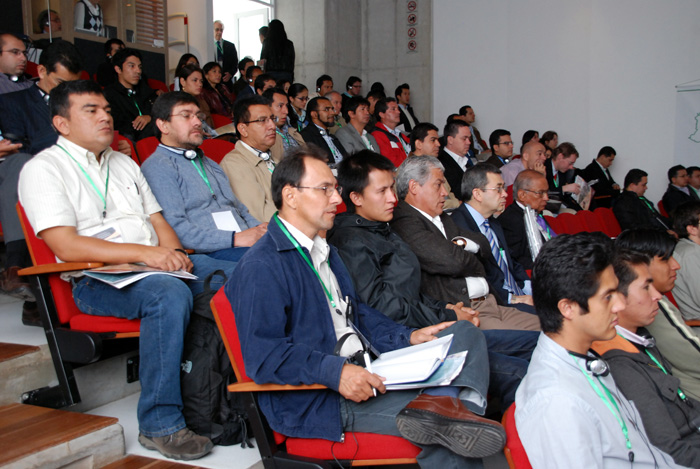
(555, 224)
(115, 146)
(145, 147)
(216, 149)
(570, 223)
(509, 195)
(612, 227)
(157, 85)
(591, 221)
(226, 321)
(662, 209)
(31, 69)
(220, 120)
(514, 450)
(84, 75)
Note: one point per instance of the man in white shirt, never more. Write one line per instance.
(78, 192)
(453, 155)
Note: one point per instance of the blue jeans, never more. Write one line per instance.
(378, 414)
(230, 254)
(163, 304)
(509, 357)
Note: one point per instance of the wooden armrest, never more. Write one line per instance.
(189, 251)
(254, 387)
(59, 267)
(693, 323)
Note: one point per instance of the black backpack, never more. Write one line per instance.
(209, 409)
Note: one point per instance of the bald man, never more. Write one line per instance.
(533, 158)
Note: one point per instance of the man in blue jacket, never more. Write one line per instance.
(298, 318)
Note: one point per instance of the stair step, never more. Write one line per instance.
(23, 368)
(39, 437)
(10, 351)
(142, 462)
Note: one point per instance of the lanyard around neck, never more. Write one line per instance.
(203, 174)
(680, 392)
(218, 46)
(284, 137)
(92, 183)
(306, 258)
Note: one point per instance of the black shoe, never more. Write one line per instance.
(30, 314)
(11, 284)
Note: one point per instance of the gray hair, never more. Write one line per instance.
(524, 181)
(476, 178)
(415, 168)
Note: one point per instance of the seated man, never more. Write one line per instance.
(426, 141)
(13, 62)
(130, 97)
(193, 190)
(484, 195)
(643, 375)
(694, 180)
(532, 157)
(560, 176)
(322, 115)
(287, 136)
(403, 98)
(529, 190)
(263, 82)
(304, 290)
(678, 191)
(72, 205)
(337, 101)
(393, 143)
(501, 148)
(386, 273)
(679, 343)
(252, 73)
(569, 411)
(249, 166)
(686, 222)
(105, 71)
(242, 83)
(633, 210)
(453, 156)
(606, 189)
(353, 136)
(450, 257)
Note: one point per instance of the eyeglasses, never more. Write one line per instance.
(327, 189)
(16, 52)
(500, 189)
(262, 120)
(327, 109)
(537, 193)
(301, 98)
(505, 143)
(188, 115)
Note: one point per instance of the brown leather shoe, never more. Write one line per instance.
(184, 444)
(12, 284)
(445, 421)
(30, 314)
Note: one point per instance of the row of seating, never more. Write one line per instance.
(214, 148)
(601, 219)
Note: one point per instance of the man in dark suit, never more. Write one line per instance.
(408, 118)
(450, 257)
(453, 155)
(678, 191)
(226, 55)
(560, 176)
(501, 147)
(484, 194)
(633, 210)
(468, 115)
(251, 74)
(606, 189)
(240, 84)
(529, 189)
(322, 114)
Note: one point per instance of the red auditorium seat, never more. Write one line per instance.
(612, 227)
(570, 223)
(514, 451)
(145, 147)
(591, 221)
(216, 149)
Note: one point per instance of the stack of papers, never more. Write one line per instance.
(121, 275)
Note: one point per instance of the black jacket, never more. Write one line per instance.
(604, 192)
(385, 271)
(126, 108)
(312, 134)
(673, 197)
(631, 212)
(512, 221)
(24, 116)
(453, 172)
(404, 119)
(555, 189)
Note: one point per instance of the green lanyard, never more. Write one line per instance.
(651, 207)
(609, 403)
(555, 178)
(92, 183)
(306, 258)
(681, 394)
(284, 137)
(203, 175)
(218, 46)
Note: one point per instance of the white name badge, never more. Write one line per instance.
(224, 221)
(394, 145)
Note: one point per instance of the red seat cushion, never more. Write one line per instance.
(368, 446)
(513, 443)
(88, 322)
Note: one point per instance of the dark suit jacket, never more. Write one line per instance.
(404, 119)
(632, 212)
(604, 192)
(25, 116)
(496, 161)
(513, 223)
(443, 264)
(230, 61)
(312, 134)
(245, 92)
(453, 173)
(476, 135)
(556, 189)
(494, 274)
(673, 197)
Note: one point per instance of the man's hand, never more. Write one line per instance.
(140, 122)
(8, 148)
(166, 259)
(572, 188)
(227, 77)
(357, 384)
(124, 147)
(523, 299)
(247, 238)
(540, 168)
(428, 333)
(465, 314)
(616, 187)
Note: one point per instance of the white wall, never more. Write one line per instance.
(599, 72)
(201, 34)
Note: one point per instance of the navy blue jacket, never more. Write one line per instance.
(25, 114)
(287, 334)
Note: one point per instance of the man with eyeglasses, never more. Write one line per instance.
(250, 165)
(484, 194)
(322, 115)
(353, 87)
(287, 137)
(225, 54)
(501, 148)
(13, 61)
(192, 189)
(529, 189)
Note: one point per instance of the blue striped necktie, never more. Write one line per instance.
(509, 283)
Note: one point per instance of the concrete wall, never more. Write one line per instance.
(595, 71)
(201, 34)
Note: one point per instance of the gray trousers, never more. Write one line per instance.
(9, 179)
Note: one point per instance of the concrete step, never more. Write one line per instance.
(48, 438)
(142, 462)
(22, 368)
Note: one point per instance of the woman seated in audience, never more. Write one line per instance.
(186, 59)
(216, 95)
(298, 97)
(191, 81)
(550, 139)
(531, 136)
(283, 84)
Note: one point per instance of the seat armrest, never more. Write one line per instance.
(693, 323)
(59, 267)
(254, 387)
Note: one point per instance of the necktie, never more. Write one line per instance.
(509, 282)
(547, 231)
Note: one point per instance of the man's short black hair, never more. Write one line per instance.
(624, 262)
(607, 151)
(108, 45)
(686, 214)
(313, 104)
(692, 169)
(321, 79)
(673, 171)
(351, 81)
(496, 135)
(261, 79)
(44, 19)
(352, 104)
(420, 132)
(290, 171)
(634, 176)
(452, 128)
(243, 62)
(241, 110)
(353, 173)
(263, 31)
(399, 89)
(7, 33)
(59, 104)
(568, 267)
(651, 242)
(463, 110)
(381, 107)
(249, 72)
(164, 105)
(527, 136)
(122, 54)
(376, 94)
(477, 177)
(270, 93)
(64, 53)
(567, 149)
